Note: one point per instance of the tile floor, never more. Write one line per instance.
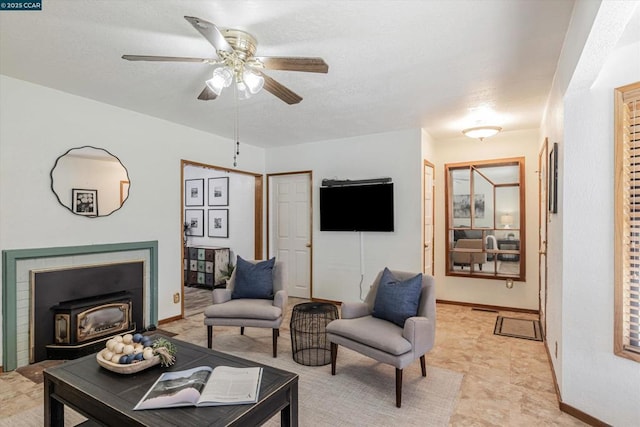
(507, 381)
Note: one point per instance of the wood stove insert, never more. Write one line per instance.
(60, 292)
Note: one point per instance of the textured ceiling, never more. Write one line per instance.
(439, 65)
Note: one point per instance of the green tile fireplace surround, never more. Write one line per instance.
(10, 259)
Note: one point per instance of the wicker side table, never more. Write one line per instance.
(309, 343)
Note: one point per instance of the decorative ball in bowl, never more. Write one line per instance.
(127, 354)
(123, 368)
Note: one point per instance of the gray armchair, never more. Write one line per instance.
(383, 340)
(473, 255)
(248, 312)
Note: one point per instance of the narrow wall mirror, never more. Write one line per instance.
(485, 219)
(90, 181)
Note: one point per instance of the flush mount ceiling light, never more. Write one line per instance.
(481, 132)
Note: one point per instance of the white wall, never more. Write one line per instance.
(552, 127)
(428, 146)
(241, 239)
(484, 291)
(38, 124)
(579, 116)
(337, 255)
(593, 379)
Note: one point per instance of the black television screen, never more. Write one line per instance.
(357, 208)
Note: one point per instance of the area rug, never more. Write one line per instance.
(34, 417)
(518, 328)
(34, 370)
(164, 332)
(362, 393)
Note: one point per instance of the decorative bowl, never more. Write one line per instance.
(130, 368)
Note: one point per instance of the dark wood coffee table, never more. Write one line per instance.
(109, 398)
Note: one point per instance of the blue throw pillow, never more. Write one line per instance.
(397, 300)
(253, 280)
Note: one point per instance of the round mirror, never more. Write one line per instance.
(90, 181)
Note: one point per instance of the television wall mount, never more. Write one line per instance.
(345, 182)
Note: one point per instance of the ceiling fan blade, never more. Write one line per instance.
(210, 32)
(309, 65)
(207, 94)
(279, 90)
(166, 58)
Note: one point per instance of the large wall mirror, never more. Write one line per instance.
(485, 219)
(90, 181)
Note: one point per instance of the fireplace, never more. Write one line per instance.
(18, 297)
(75, 310)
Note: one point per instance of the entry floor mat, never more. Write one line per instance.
(518, 328)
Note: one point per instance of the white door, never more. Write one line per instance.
(290, 218)
(428, 208)
(543, 219)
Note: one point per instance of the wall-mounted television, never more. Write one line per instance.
(357, 208)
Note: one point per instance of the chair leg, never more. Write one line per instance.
(334, 357)
(423, 365)
(209, 336)
(275, 334)
(398, 387)
(241, 330)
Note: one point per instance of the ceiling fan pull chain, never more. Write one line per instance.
(236, 127)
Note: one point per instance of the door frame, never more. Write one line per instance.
(268, 226)
(258, 213)
(543, 221)
(433, 215)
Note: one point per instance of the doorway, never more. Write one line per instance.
(227, 205)
(289, 226)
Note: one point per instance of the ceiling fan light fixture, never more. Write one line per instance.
(243, 90)
(481, 132)
(222, 77)
(253, 80)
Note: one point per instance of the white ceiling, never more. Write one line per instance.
(435, 64)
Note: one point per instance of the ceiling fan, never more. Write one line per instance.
(236, 60)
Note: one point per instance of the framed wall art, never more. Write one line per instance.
(219, 223)
(219, 191)
(462, 205)
(194, 222)
(84, 202)
(553, 179)
(194, 192)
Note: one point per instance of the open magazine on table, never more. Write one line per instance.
(203, 386)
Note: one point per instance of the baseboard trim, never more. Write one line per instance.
(327, 301)
(568, 409)
(170, 319)
(582, 416)
(488, 307)
(553, 371)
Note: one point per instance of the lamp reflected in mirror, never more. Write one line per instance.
(90, 181)
(506, 220)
